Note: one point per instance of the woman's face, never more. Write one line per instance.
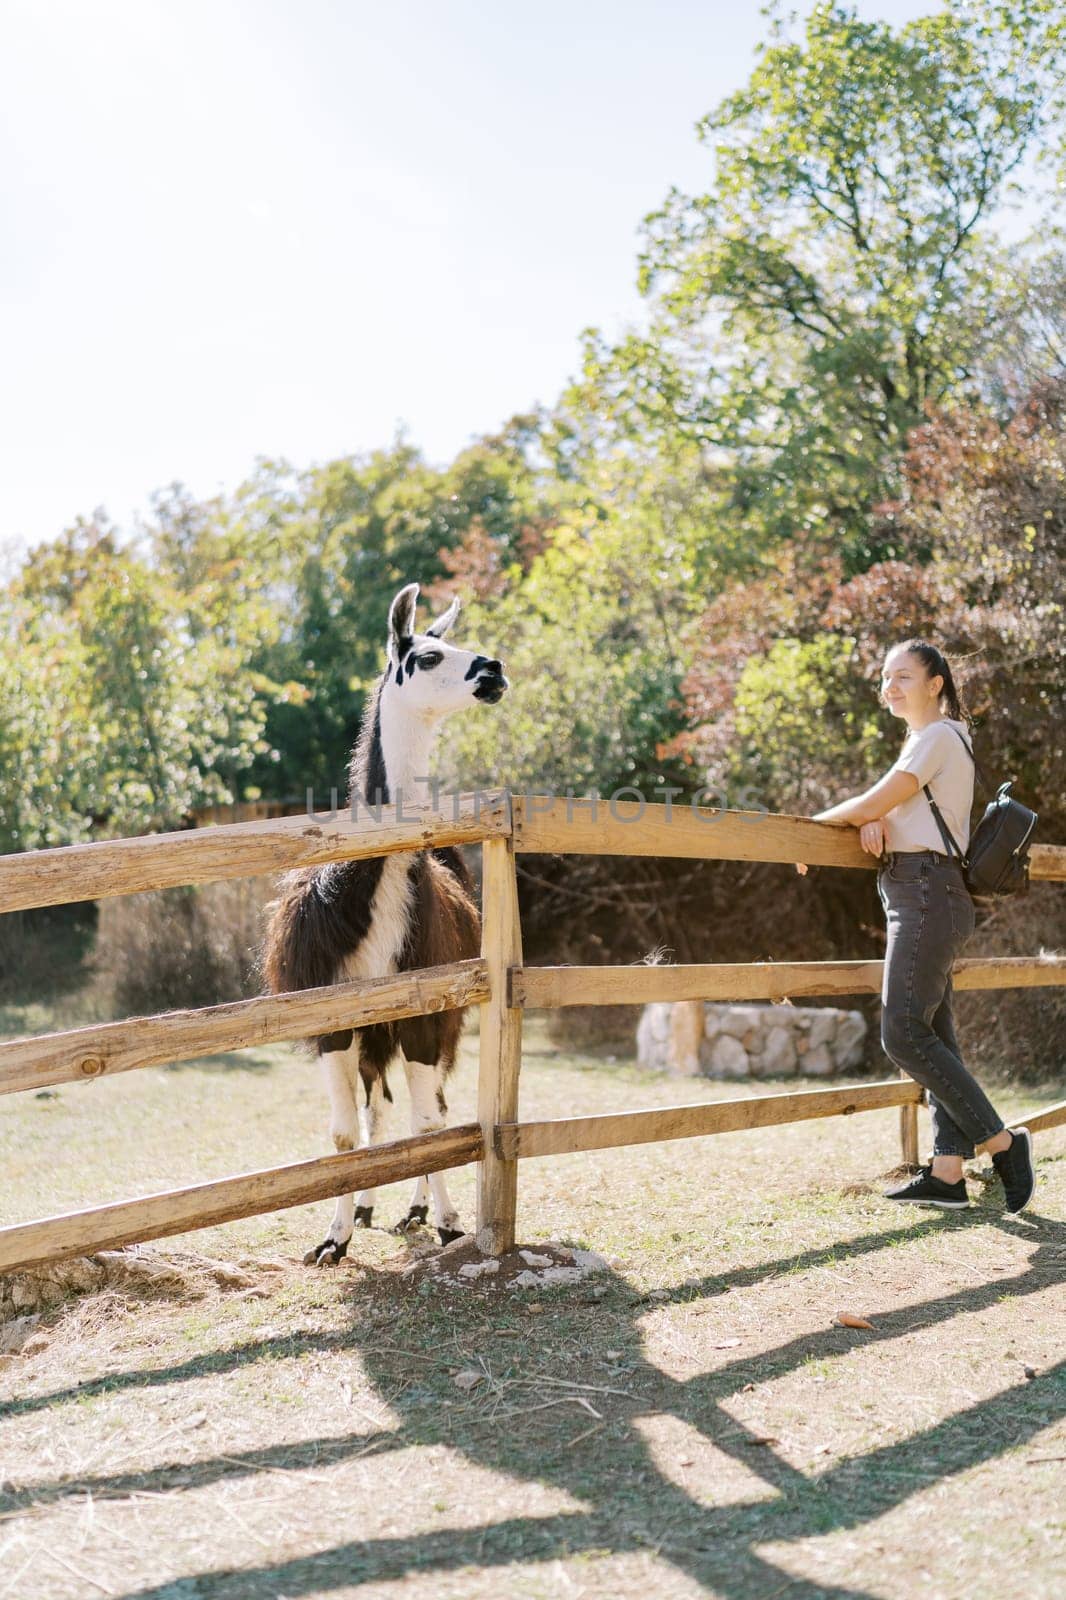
(906, 687)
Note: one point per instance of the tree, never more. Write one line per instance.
(360, 529)
(985, 506)
(129, 704)
(1024, 342)
(781, 691)
(829, 285)
(592, 639)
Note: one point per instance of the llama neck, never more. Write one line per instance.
(393, 755)
(407, 744)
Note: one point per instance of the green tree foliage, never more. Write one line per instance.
(796, 712)
(830, 282)
(357, 530)
(1024, 341)
(126, 704)
(985, 511)
(981, 529)
(592, 637)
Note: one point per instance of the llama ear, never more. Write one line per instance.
(444, 623)
(402, 617)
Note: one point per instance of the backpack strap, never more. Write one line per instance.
(945, 832)
(985, 785)
(948, 837)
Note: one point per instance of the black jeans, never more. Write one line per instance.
(930, 917)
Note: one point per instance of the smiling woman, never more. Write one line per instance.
(930, 917)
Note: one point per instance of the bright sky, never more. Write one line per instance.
(232, 228)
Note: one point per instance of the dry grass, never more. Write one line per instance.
(692, 1422)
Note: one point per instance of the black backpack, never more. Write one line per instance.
(998, 860)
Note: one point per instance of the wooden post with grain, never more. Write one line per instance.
(908, 1132)
(500, 1056)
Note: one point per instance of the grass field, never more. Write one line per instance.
(691, 1422)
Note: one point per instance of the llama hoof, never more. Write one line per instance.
(363, 1215)
(326, 1254)
(415, 1218)
(448, 1234)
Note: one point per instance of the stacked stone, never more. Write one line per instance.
(700, 1038)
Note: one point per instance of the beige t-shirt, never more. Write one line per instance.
(936, 756)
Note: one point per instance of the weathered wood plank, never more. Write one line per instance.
(908, 1131)
(638, 828)
(1053, 1117)
(76, 872)
(224, 1200)
(632, 828)
(549, 987)
(1048, 861)
(567, 1134)
(500, 1046)
(82, 1055)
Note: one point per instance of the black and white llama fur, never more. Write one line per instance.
(385, 914)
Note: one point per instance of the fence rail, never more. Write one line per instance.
(638, 984)
(498, 982)
(76, 872)
(83, 1054)
(563, 1135)
(204, 1205)
(546, 826)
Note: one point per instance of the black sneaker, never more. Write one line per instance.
(925, 1190)
(1015, 1168)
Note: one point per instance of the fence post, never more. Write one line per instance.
(500, 1053)
(908, 1132)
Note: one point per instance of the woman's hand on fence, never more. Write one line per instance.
(801, 868)
(872, 837)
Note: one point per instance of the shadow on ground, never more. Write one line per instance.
(606, 1466)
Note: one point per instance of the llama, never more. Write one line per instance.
(385, 914)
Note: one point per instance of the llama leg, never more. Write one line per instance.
(418, 1210)
(370, 1116)
(425, 1085)
(339, 1068)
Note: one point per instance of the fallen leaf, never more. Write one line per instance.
(848, 1319)
(467, 1378)
(763, 1438)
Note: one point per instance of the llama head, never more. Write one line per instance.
(429, 677)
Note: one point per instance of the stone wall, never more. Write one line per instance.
(700, 1038)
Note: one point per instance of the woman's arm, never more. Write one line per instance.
(888, 792)
(866, 810)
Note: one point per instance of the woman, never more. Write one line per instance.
(930, 917)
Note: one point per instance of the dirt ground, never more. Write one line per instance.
(689, 1420)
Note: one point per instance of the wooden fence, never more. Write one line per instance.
(498, 983)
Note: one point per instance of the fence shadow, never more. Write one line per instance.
(629, 1504)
